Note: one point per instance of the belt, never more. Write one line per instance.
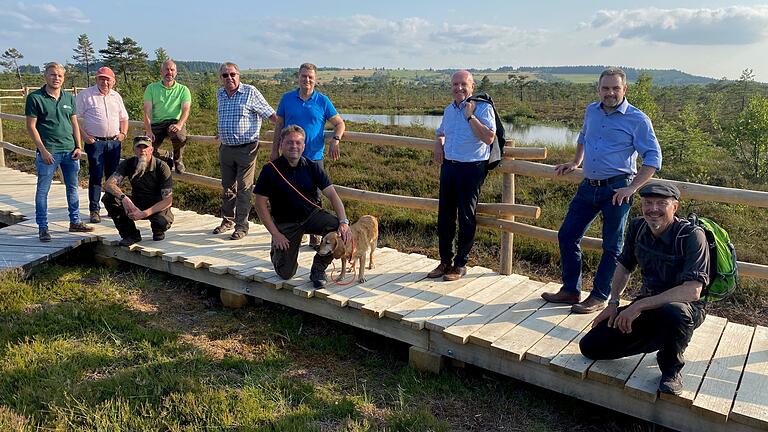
(112, 138)
(608, 181)
(242, 145)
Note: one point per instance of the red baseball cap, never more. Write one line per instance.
(105, 71)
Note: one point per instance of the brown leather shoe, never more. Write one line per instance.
(439, 271)
(561, 297)
(454, 273)
(590, 305)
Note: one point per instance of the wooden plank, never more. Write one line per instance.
(643, 383)
(615, 372)
(383, 273)
(697, 357)
(718, 389)
(558, 338)
(404, 279)
(425, 291)
(751, 404)
(419, 317)
(401, 268)
(516, 342)
(384, 256)
(507, 320)
(403, 289)
(461, 330)
(273, 280)
(570, 361)
(497, 286)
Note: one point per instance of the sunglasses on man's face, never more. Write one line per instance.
(231, 75)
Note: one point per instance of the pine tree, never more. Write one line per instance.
(124, 56)
(85, 56)
(160, 57)
(10, 59)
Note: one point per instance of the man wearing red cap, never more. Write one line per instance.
(104, 125)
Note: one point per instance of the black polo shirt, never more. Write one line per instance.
(148, 186)
(680, 254)
(286, 204)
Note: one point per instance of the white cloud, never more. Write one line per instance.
(387, 41)
(736, 25)
(42, 17)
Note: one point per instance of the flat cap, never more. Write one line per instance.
(660, 189)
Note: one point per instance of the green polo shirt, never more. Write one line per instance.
(54, 119)
(166, 102)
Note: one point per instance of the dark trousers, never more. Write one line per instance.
(103, 158)
(178, 139)
(667, 329)
(285, 261)
(160, 221)
(460, 184)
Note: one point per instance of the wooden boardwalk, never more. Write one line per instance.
(496, 322)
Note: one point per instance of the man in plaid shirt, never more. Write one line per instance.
(241, 109)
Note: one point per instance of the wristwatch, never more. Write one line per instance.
(122, 197)
(471, 116)
(337, 138)
(613, 302)
(344, 221)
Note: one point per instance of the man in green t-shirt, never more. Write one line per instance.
(52, 125)
(166, 110)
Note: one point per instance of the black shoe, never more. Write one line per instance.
(158, 236)
(318, 279)
(671, 384)
(44, 235)
(128, 241)
(318, 283)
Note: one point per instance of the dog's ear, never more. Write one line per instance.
(338, 248)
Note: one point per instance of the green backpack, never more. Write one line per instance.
(723, 268)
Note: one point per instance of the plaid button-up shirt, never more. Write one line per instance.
(240, 114)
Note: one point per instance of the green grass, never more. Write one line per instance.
(88, 349)
(577, 78)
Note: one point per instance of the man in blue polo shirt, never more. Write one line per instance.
(309, 109)
(462, 148)
(613, 135)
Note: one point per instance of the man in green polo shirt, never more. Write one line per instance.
(52, 125)
(166, 110)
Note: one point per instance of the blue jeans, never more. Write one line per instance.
(45, 172)
(103, 158)
(584, 207)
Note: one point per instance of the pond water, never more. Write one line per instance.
(558, 136)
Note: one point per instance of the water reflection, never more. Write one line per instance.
(558, 136)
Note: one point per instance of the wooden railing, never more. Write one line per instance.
(499, 216)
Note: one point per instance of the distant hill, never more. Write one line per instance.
(661, 77)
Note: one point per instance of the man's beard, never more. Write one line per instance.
(141, 167)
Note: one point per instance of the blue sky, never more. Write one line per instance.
(711, 38)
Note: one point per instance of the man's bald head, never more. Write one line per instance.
(462, 85)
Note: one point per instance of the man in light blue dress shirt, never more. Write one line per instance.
(613, 135)
(462, 148)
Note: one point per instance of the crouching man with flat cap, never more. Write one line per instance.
(151, 194)
(674, 258)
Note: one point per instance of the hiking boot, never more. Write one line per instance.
(454, 273)
(238, 234)
(128, 241)
(590, 305)
(44, 235)
(318, 279)
(95, 217)
(157, 236)
(224, 227)
(439, 271)
(79, 227)
(180, 168)
(561, 297)
(671, 383)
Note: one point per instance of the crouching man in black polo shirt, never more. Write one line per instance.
(290, 184)
(151, 194)
(674, 258)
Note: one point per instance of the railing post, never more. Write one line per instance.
(507, 238)
(2, 138)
